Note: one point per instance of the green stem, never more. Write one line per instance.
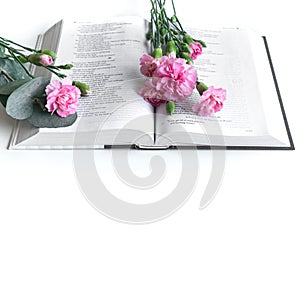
(20, 63)
(155, 18)
(12, 42)
(38, 101)
(54, 67)
(179, 31)
(166, 20)
(12, 51)
(152, 28)
(60, 75)
(174, 10)
(5, 45)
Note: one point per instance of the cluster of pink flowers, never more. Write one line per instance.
(172, 78)
(62, 97)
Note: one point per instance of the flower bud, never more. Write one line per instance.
(174, 19)
(171, 47)
(186, 57)
(186, 48)
(170, 107)
(149, 36)
(163, 32)
(202, 43)
(40, 59)
(201, 87)
(157, 53)
(188, 39)
(66, 67)
(84, 88)
(49, 52)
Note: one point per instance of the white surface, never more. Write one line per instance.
(244, 245)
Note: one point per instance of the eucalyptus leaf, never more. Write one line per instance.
(13, 68)
(20, 102)
(8, 88)
(2, 51)
(44, 119)
(3, 80)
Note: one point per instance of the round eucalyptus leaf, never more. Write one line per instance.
(44, 119)
(13, 68)
(20, 102)
(8, 88)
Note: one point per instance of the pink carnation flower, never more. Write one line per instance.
(62, 97)
(172, 79)
(175, 78)
(148, 65)
(211, 101)
(196, 49)
(151, 94)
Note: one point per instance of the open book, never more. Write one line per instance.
(106, 56)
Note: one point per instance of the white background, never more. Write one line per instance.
(244, 245)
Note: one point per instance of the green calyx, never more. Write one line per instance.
(201, 87)
(157, 53)
(188, 39)
(170, 107)
(84, 88)
(186, 48)
(171, 47)
(187, 57)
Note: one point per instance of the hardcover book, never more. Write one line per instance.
(106, 56)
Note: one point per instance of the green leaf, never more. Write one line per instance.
(8, 88)
(12, 68)
(20, 102)
(2, 51)
(44, 119)
(3, 80)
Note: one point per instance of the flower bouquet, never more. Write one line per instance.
(35, 99)
(172, 75)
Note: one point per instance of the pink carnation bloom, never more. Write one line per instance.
(196, 49)
(174, 78)
(62, 97)
(148, 64)
(211, 101)
(151, 94)
(46, 60)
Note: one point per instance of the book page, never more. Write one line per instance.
(271, 102)
(106, 56)
(227, 63)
